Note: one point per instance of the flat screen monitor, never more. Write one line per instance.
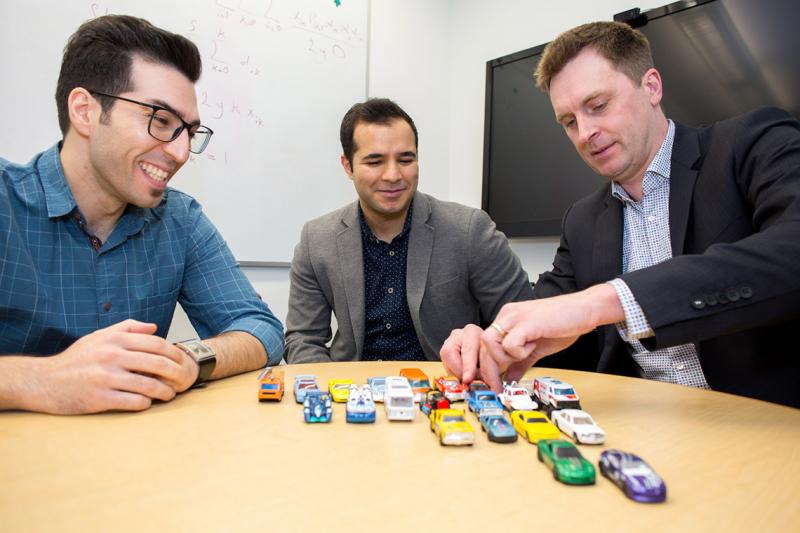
(717, 59)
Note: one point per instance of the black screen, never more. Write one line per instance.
(717, 59)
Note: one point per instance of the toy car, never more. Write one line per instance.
(302, 384)
(399, 399)
(578, 425)
(378, 387)
(339, 389)
(533, 426)
(527, 384)
(497, 428)
(480, 401)
(451, 427)
(631, 474)
(360, 407)
(516, 398)
(554, 394)
(566, 462)
(317, 406)
(270, 385)
(433, 400)
(451, 387)
(475, 386)
(418, 380)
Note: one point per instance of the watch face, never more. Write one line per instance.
(200, 350)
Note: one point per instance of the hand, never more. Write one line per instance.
(538, 328)
(121, 367)
(459, 352)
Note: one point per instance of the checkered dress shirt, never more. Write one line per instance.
(59, 283)
(646, 242)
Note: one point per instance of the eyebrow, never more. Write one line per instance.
(165, 105)
(589, 98)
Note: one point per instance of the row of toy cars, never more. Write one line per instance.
(637, 480)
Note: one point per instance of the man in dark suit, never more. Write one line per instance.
(398, 268)
(685, 268)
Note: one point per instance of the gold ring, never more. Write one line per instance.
(500, 330)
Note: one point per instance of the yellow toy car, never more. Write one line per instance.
(339, 389)
(451, 427)
(533, 426)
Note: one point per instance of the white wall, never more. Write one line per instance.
(430, 56)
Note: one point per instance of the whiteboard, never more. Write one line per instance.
(278, 75)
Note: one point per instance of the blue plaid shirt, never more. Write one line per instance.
(58, 283)
(646, 242)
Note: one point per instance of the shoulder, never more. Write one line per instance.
(748, 126)
(443, 212)
(588, 207)
(332, 222)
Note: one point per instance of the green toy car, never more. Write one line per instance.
(566, 462)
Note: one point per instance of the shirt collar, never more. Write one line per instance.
(367, 231)
(657, 171)
(58, 195)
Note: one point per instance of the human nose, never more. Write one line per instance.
(178, 148)
(392, 172)
(587, 130)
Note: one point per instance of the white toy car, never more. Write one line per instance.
(554, 394)
(360, 407)
(399, 399)
(516, 398)
(378, 387)
(579, 425)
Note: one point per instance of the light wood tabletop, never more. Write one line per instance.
(215, 459)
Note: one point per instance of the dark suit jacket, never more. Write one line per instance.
(460, 270)
(733, 284)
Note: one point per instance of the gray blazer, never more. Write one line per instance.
(460, 270)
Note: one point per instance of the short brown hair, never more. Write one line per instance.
(99, 55)
(373, 111)
(626, 48)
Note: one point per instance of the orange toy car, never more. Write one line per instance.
(270, 385)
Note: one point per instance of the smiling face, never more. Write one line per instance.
(615, 125)
(385, 169)
(129, 165)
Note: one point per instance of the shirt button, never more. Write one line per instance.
(388, 326)
(391, 254)
(651, 218)
(679, 366)
(107, 306)
(390, 290)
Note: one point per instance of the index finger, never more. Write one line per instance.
(143, 342)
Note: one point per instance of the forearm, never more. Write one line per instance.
(237, 352)
(19, 383)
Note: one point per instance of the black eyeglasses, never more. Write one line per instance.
(166, 126)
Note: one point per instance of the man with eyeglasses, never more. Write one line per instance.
(96, 250)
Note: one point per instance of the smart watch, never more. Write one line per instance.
(203, 355)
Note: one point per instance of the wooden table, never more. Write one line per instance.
(216, 459)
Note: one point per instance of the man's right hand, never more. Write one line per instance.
(122, 367)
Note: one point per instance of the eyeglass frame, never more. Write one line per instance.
(156, 108)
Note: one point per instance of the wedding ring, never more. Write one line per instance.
(499, 329)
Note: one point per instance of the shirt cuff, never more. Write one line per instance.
(636, 325)
(270, 336)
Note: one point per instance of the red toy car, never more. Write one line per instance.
(451, 387)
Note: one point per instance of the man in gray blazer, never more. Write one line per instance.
(399, 268)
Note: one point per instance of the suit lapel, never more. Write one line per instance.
(351, 263)
(607, 253)
(420, 247)
(683, 174)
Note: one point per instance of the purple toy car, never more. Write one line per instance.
(631, 474)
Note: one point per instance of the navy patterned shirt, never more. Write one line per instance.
(59, 283)
(389, 334)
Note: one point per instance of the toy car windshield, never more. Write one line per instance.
(565, 391)
(566, 452)
(403, 402)
(581, 420)
(453, 418)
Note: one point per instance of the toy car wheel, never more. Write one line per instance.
(555, 475)
(577, 440)
(530, 439)
(441, 440)
(539, 455)
(549, 411)
(555, 423)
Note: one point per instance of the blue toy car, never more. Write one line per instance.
(302, 384)
(317, 406)
(635, 477)
(484, 399)
(497, 428)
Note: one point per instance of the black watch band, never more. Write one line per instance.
(204, 356)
